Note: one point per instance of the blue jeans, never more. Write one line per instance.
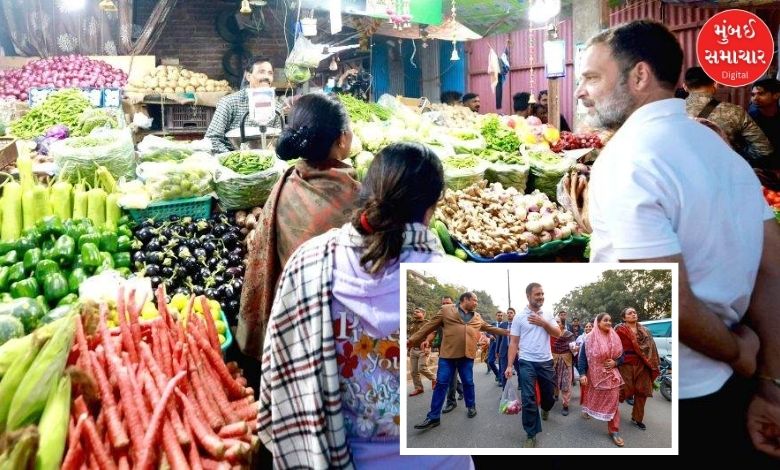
(447, 367)
(491, 358)
(502, 367)
(530, 373)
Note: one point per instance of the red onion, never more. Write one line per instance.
(61, 71)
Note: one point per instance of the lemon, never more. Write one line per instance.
(528, 138)
(179, 301)
(216, 309)
(149, 311)
(221, 328)
(551, 135)
(222, 339)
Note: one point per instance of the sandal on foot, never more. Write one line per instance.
(617, 439)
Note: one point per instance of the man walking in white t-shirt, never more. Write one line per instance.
(532, 329)
(667, 189)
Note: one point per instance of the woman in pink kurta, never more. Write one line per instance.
(599, 358)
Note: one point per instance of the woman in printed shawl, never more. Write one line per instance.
(314, 195)
(563, 360)
(331, 386)
(641, 364)
(599, 358)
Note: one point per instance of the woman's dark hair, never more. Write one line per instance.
(316, 121)
(623, 312)
(402, 183)
(601, 316)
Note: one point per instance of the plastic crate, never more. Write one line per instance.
(228, 335)
(187, 116)
(195, 207)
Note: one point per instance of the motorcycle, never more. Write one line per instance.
(664, 380)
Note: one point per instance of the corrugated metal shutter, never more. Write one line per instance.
(380, 68)
(522, 68)
(453, 73)
(429, 63)
(411, 68)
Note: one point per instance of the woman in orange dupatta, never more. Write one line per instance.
(599, 358)
(641, 365)
(318, 193)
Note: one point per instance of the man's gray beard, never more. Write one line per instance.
(614, 111)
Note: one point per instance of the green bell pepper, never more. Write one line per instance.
(44, 268)
(123, 243)
(64, 251)
(16, 273)
(73, 229)
(47, 245)
(26, 243)
(124, 230)
(25, 288)
(124, 272)
(50, 225)
(89, 238)
(124, 220)
(10, 258)
(41, 301)
(122, 259)
(33, 234)
(90, 255)
(77, 276)
(4, 278)
(55, 287)
(5, 247)
(108, 241)
(31, 259)
(68, 300)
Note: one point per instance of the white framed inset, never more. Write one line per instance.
(513, 278)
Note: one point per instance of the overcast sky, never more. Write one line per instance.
(557, 279)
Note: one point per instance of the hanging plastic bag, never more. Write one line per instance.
(510, 400)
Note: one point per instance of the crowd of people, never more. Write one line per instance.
(549, 354)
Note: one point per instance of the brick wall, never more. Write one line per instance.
(191, 37)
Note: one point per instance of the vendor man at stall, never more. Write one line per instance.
(259, 73)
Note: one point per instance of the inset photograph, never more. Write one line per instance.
(565, 356)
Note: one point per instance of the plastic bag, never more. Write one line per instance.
(515, 176)
(237, 191)
(305, 53)
(510, 400)
(157, 149)
(460, 178)
(79, 157)
(166, 180)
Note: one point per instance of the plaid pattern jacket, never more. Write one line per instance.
(230, 110)
(300, 417)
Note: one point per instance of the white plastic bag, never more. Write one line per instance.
(510, 400)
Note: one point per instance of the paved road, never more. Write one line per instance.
(491, 429)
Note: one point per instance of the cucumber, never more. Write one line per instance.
(444, 236)
(461, 254)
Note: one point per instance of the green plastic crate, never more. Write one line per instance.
(228, 334)
(195, 207)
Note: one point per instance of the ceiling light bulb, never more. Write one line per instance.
(107, 5)
(245, 8)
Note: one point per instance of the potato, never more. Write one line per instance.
(179, 89)
(189, 89)
(185, 73)
(157, 89)
(200, 89)
(168, 90)
(210, 88)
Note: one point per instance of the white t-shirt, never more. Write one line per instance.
(665, 185)
(534, 340)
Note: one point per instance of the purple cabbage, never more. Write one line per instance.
(55, 133)
(58, 131)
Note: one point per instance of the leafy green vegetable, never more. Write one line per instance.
(498, 136)
(360, 111)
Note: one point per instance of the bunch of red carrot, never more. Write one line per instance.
(164, 394)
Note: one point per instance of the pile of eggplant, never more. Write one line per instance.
(199, 256)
